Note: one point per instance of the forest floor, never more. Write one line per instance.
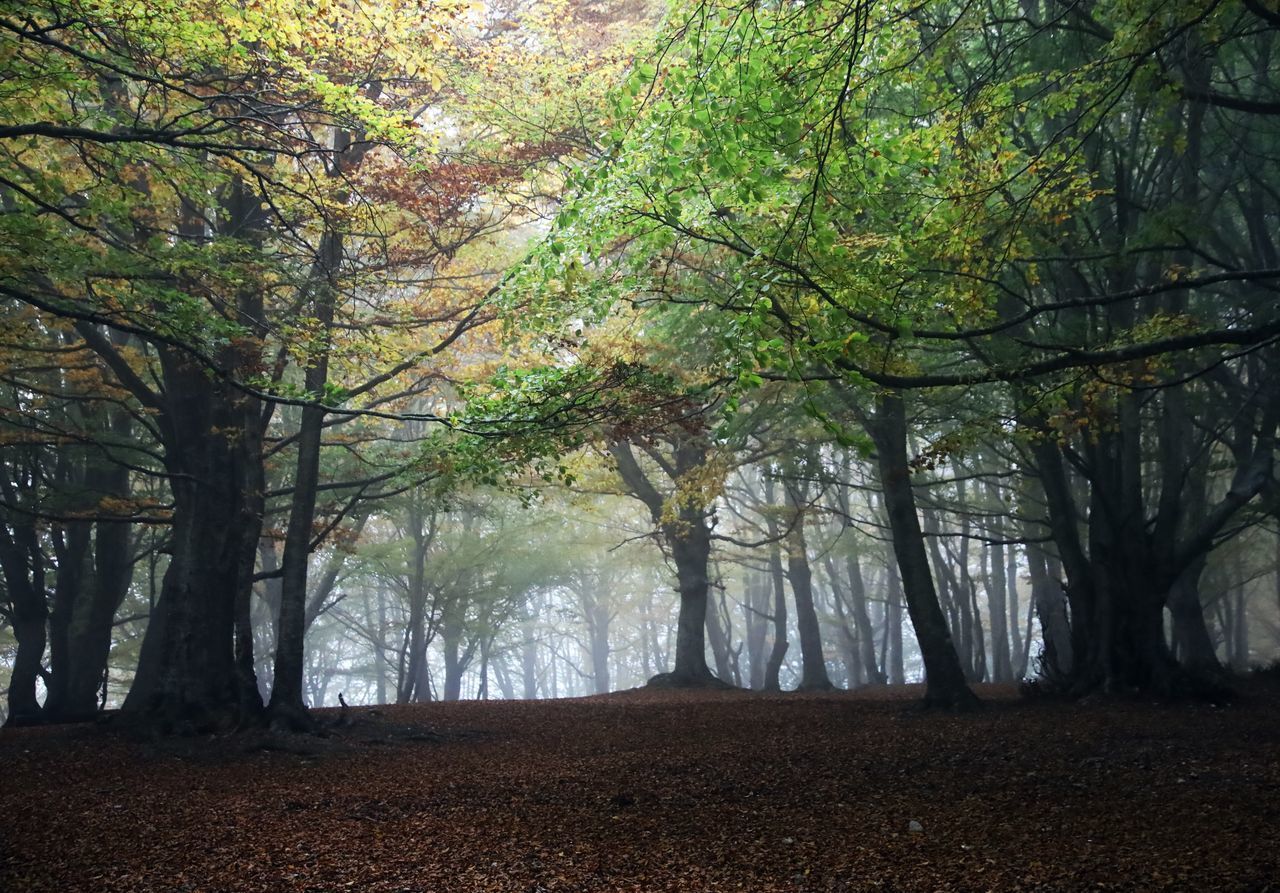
(663, 791)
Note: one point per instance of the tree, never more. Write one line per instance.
(1021, 238)
(681, 515)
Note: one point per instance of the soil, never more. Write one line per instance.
(662, 790)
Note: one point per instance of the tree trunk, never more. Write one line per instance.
(78, 675)
(998, 614)
(72, 583)
(718, 639)
(997, 600)
(23, 567)
(778, 653)
(894, 671)
(814, 671)
(945, 680)
(528, 659)
(455, 661)
(862, 620)
(1050, 606)
(755, 612)
(286, 694)
(688, 540)
(1016, 644)
(1190, 633)
(599, 617)
(187, 671)
(691, 550)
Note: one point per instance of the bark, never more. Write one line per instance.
(777, 578)
(862, 620)
(422, 531)
(755, 613)
(77, 674)
(814, 670)
(451, 638)
(1191, 637)
(1119, 588)
(1050, 606)
(458, 650)
(687, 538)
(1017, 643)
(860, 640)
(287, 704)
(778, 651)
(528, 659)
(718, 639)
(691, 549)
(954, 597)
(997, 600)
(853, 677)
(997, 609)
(502, 675)
(1238, 635)
(894, 670)
(23, 567)
(945, 679)
(190, 676)
(73, 579)
(598, 616)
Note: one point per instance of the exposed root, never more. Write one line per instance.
(689, 680)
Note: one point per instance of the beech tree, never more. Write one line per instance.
(1030, 240)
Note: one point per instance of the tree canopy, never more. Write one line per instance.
(326, 328)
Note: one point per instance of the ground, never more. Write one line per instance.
(662, 791)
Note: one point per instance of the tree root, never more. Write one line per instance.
(688, 681)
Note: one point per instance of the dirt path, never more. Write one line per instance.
(662, 792)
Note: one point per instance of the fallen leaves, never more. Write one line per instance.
(671, 791)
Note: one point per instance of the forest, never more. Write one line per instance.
(362, 354)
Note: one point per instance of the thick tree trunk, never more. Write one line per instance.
(187, 673)
(193, 680)
(691, 550)
(945, 679)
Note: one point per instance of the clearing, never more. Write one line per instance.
(662, 791)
